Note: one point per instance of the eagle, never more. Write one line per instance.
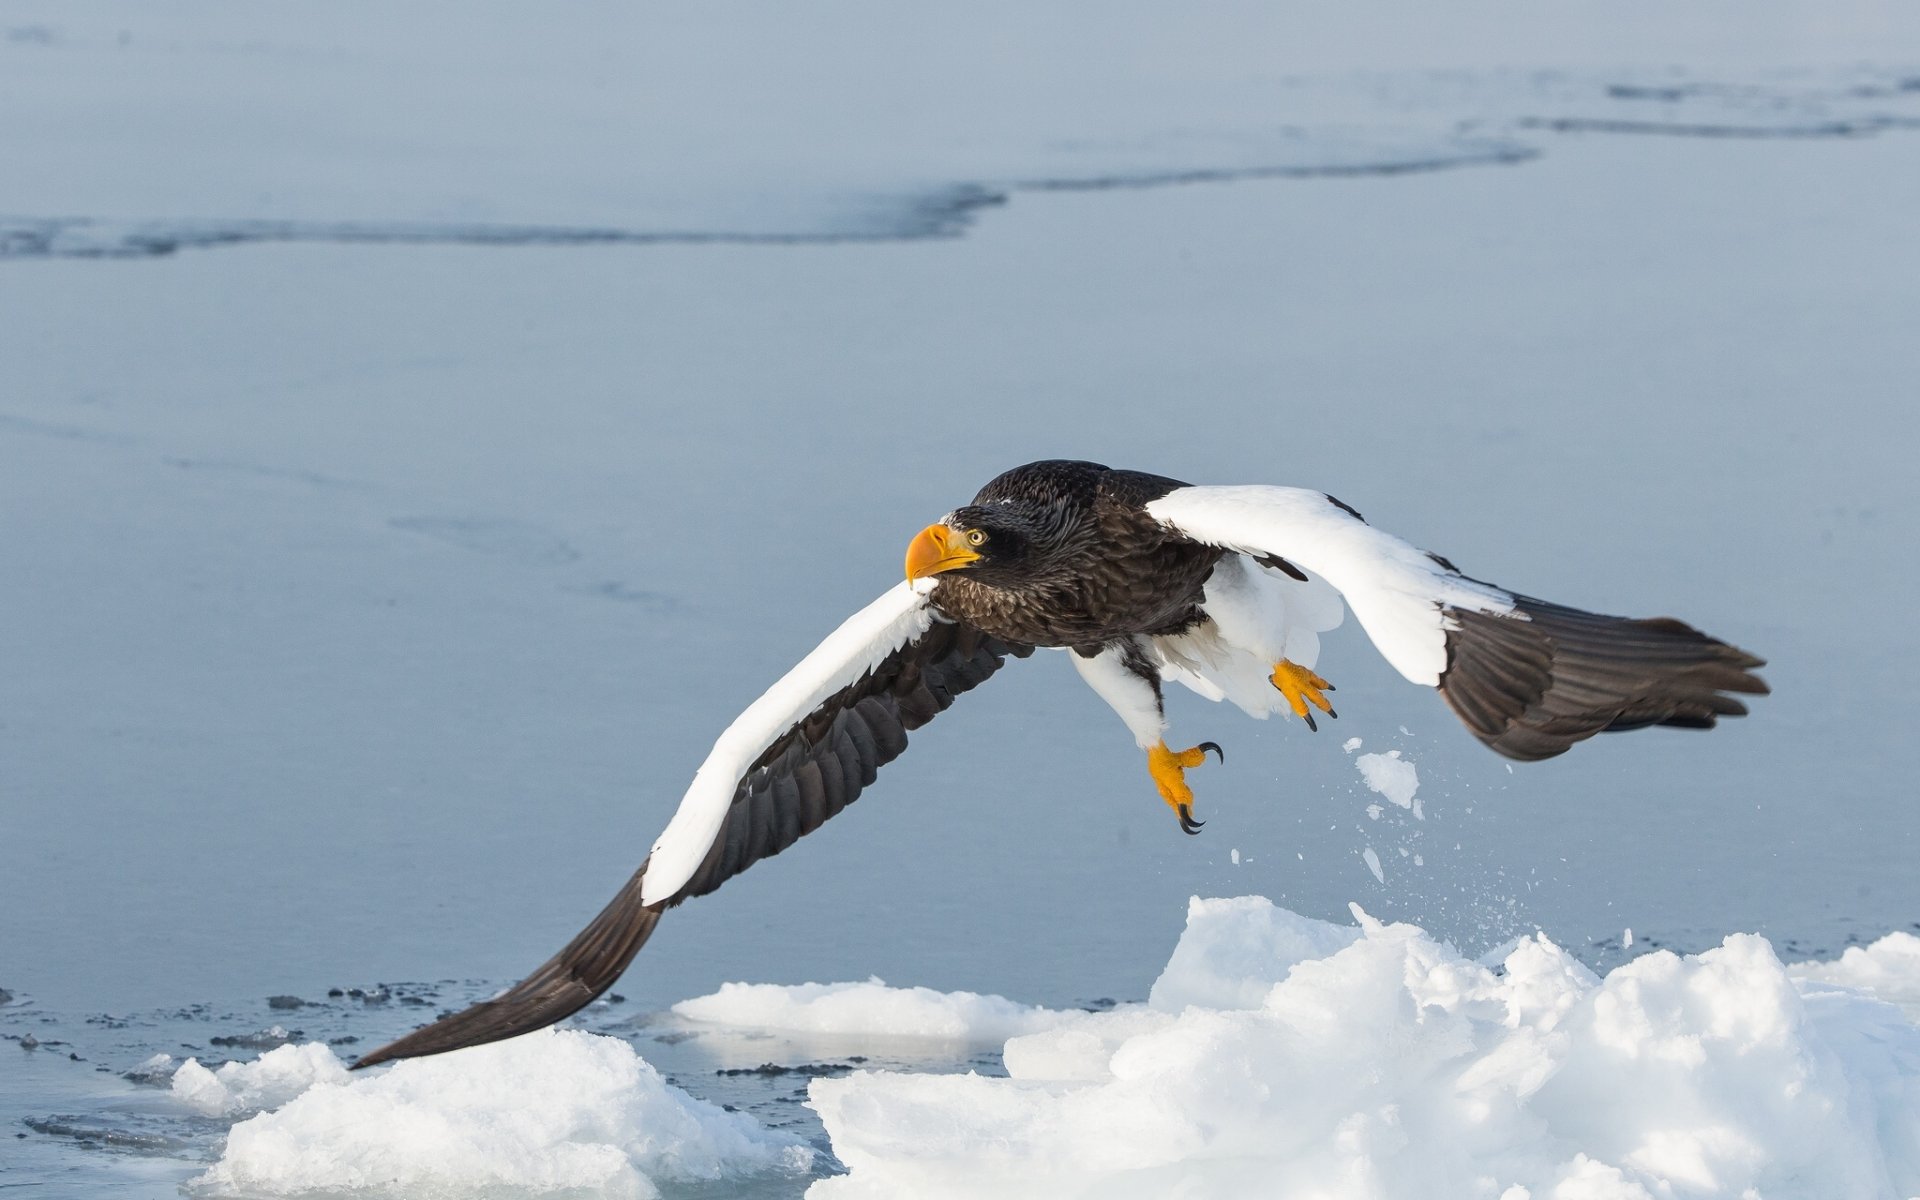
(1142, 580)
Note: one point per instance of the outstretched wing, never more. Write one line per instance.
(796, 756)
(1529, 678)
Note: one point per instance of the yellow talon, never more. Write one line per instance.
(1302, 687)
(1168, 768)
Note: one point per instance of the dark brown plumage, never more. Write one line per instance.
(1532, 688)
(1091, 566)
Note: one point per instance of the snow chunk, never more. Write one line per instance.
(1286, 1056)
(1083, 1047)
(547, 1112)
(1234, 951)
(1373, 863)
(1391, 776)
(869, 1008)
(267, 1082)
(1887, 970)
(157, 1069)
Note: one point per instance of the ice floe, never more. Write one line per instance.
(870, 1008)
(1235, 950)
(267, 1082)
(1888, 970)
(1275, 1055)
(553, 1111)
(1287, 1056)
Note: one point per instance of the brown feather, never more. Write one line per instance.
(1533, 683)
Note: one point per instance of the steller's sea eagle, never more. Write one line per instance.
(1144, 579)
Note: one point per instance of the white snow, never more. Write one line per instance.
(1276, 1055)
(1235, 950)
(1282, 1055)
(869, 1008)
(1889, 970)
(267, 1082)
(1373, 863)
(1391, 776)
(549, 1112)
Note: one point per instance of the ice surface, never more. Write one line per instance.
(548, 1112)
(385, 492)
(608, 125)
(1378, 1062)
(869, 1008)
(444, 563)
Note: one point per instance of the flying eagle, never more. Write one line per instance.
(1144, 579)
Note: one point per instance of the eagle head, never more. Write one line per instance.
(994, 543)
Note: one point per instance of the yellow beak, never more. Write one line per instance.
(934, 550)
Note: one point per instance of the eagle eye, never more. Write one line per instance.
(976, 537)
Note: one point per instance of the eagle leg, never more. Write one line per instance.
(1302, 687)
(1169, 768)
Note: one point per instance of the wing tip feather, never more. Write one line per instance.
(563, 985)
(1533, 683)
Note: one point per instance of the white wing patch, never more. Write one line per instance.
(1258, 617)
(865, 639)
(1396, 590)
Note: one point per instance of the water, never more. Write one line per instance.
(367, 607)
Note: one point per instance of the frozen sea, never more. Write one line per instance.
(421, 431)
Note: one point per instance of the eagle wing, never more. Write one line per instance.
(1528, 677)
(796, 756)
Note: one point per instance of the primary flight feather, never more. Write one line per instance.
(1143, 579)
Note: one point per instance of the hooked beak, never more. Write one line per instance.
(936, 549)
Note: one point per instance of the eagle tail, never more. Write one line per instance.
(558, 988)
(1532, 682)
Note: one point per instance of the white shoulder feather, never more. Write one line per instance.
(1396, 590)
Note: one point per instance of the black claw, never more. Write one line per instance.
(1188, 825)
(1217, 753)
(1329, 688)
(1333, 714)
(1308, 718)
